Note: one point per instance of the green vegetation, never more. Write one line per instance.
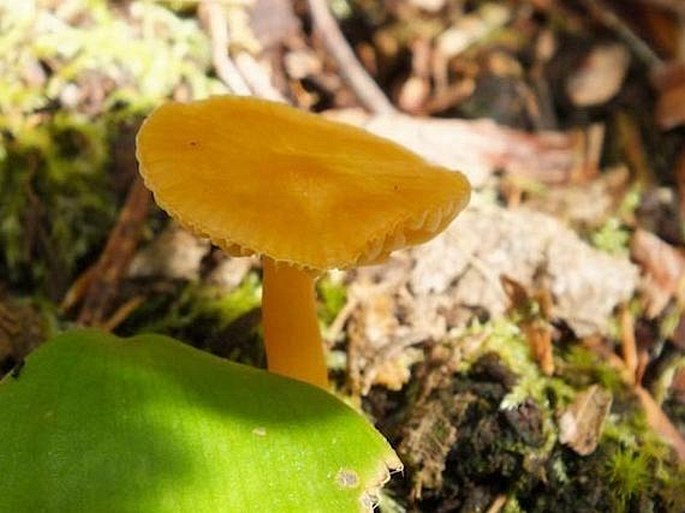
(332, 297)
(67, 91)
(613, 236)
(504, 413)
(207, 316)
(76, 78)
(100, 423)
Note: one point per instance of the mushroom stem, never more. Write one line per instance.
(292, 339)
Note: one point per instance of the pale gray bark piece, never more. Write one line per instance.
(485, 243)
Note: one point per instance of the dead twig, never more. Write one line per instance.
(242, 73)
(104, 280)
(628, 343)
(368, 92)
(257, 78)
(497, 505)
(122, 313)
(658, 420)
(536, 328)
(78, 289)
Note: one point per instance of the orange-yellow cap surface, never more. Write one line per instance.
(261, 177)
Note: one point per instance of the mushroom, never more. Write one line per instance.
(306, 193)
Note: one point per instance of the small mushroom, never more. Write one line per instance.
(306, 193)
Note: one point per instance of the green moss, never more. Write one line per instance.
(582, 368)
(207, 316)
(613, 236)
(66, 88)
(504, 338)
(332, 298)
(629, 475)
(55, 202)
(504, 412)
(512, 506)
(639, 465)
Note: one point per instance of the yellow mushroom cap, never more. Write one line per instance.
(261, 177)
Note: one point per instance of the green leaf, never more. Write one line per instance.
(101, 424)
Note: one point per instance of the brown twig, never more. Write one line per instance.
(368, 92)
(122, 313)
(658, 420)
(497, 505)
(628, 343)
(115, 258)
(78, 289)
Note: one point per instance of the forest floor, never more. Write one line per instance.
(531, 358)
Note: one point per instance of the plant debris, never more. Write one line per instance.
(580, 424)
(529, 359)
